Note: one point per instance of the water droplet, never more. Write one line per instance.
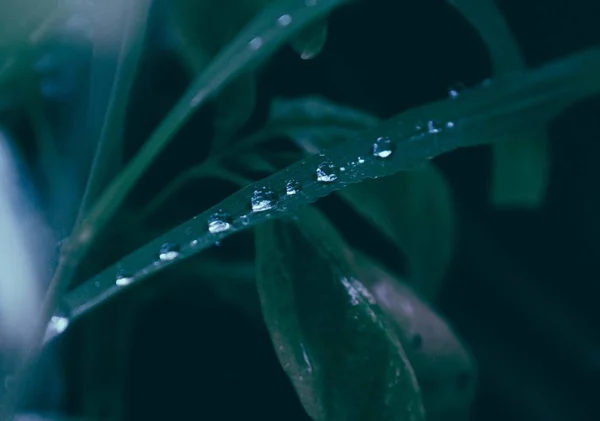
(342, 169)
(383, 147)
(450, 125)
(57, 325)
(455, 90)
(263, 199)
(292, 187)
(255, 43)
(218, 222)
(433, 127)
(218, 243)
(193, 243)
(361, 160)
(326, 172)
(168, 252)
(244, 219)
(284, 20)
(124, 278)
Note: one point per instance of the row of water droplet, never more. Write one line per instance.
(265, 199)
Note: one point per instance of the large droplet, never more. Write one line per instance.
(218, 222)
(124, 278)
(383, 147)
(327, 172)
(263, 199)
(292, 187)
(168, 252)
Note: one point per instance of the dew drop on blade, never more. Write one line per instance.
(124, 278)
(263, 199)
(284, 20)
(383, 147)
(326, 172)
(168, 252)
(292, 187)
(218, 222)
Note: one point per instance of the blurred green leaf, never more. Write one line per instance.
(332, 339)
(521, 164)
(444, 367)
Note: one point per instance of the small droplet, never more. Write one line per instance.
(292, 187)
(263, 199)
(433, 127)
(455, 90)
(342, 169)
(284, 20)
(124, 278)
(218, 243)
(383, 147)
(326, 172)
(193, 243)
(218, 222)
(361, 160)
(449, 124)
(168, 252)
(244, 219)
(255, 43)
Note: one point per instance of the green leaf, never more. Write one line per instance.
(444, 367)
(415, 210)
(343, 357)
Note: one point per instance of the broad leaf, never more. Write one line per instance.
(332, 339)
(444, 368)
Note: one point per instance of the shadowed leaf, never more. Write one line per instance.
(335, 344)
(444, 368)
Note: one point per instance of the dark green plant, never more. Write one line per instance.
(350, 352)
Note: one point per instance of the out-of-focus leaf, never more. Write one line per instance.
(311, 40)
(521, 165)
(413, 209)
(444, 367)
(521, 168)
(332, 339)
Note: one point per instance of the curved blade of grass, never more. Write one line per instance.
(254, 44)
(111, 133)
(521, 165)
(480, 116)
(332, 339)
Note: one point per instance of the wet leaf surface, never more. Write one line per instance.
(332, 339)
